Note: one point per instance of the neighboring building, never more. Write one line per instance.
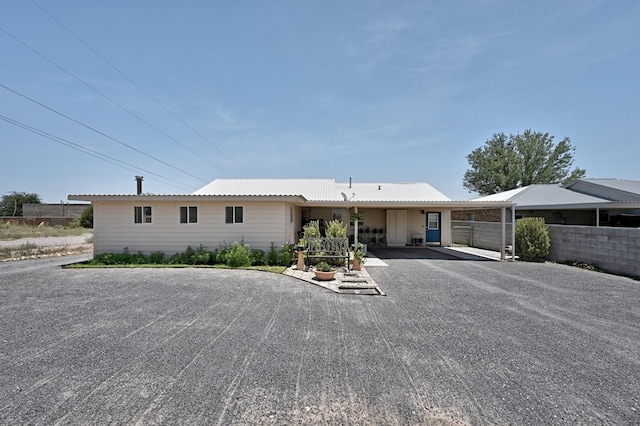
(593, 202)
(266, 212)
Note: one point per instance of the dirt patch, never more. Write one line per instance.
(41, 247)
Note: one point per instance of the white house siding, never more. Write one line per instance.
(416, 224)
(114, 226)
(292, 222)
(445, 228)
(374, 218)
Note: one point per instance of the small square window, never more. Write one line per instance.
(234, 214)
(142, 214)
(188, 214)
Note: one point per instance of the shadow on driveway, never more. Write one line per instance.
(419, 253)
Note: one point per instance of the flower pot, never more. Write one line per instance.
(355, 264)
(300, 264)
(324, 276)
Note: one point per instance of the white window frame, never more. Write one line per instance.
(188, 215)
(140, 216)
(234, 220)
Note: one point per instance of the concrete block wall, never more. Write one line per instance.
(615, 250)
(485, 235)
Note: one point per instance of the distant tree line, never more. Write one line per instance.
(11, 203)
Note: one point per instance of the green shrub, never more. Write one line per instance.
(532, 239)
(257, 258)
(156, 258)
(310, 230)
(238, 256)
(85, 220)
(336, 229)
(272, 257)
(221, 253)
(203, 256)
(286, 255)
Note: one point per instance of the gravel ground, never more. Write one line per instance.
(48, 241)
(453, 342)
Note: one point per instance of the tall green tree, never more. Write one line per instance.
(11, 203)
(509, 162)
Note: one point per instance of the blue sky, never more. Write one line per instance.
(187, 92)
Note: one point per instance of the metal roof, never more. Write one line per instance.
(612, 189)
(390, 192)
(317, 190)
(311, 189)
(546, 196)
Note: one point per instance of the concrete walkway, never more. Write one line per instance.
(470, 253)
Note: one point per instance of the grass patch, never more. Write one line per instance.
(14, 231)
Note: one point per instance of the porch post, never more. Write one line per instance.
(503, 239)
(513, 233)
(355, 226)
(597, 217)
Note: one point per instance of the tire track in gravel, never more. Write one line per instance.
(157, 400)
(237, 379)
(99, 354)
(132, 362)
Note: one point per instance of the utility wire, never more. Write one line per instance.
(135, 84)
(89, 151)
(109, 98)
(99, 132)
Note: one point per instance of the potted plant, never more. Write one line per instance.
(357, 217)
(324, 271)
(359, 251)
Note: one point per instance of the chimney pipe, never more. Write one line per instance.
(139, 180)
(349, 181)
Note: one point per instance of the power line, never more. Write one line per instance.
(99, 132)
(109, 99)
(89, 151)
(135, 83)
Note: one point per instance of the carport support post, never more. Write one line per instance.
(513, 233)
(503, 239)
(355, 226)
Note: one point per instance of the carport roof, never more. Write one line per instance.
(546, 197)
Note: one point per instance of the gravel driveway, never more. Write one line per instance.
(453, 342)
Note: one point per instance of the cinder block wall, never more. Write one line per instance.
(613, 249)
(485, 235)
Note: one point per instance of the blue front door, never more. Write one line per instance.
(433, 227)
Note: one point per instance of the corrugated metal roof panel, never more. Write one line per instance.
(311, 189)
(543, 195)
(325, 190)
(611, 189)
(632, 186)
(392, 192)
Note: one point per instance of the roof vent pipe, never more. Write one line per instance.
(139, 180)
(349, 181)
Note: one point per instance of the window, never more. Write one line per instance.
(234, 214)
(142, 214)
(433, 221)
(188, 214)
